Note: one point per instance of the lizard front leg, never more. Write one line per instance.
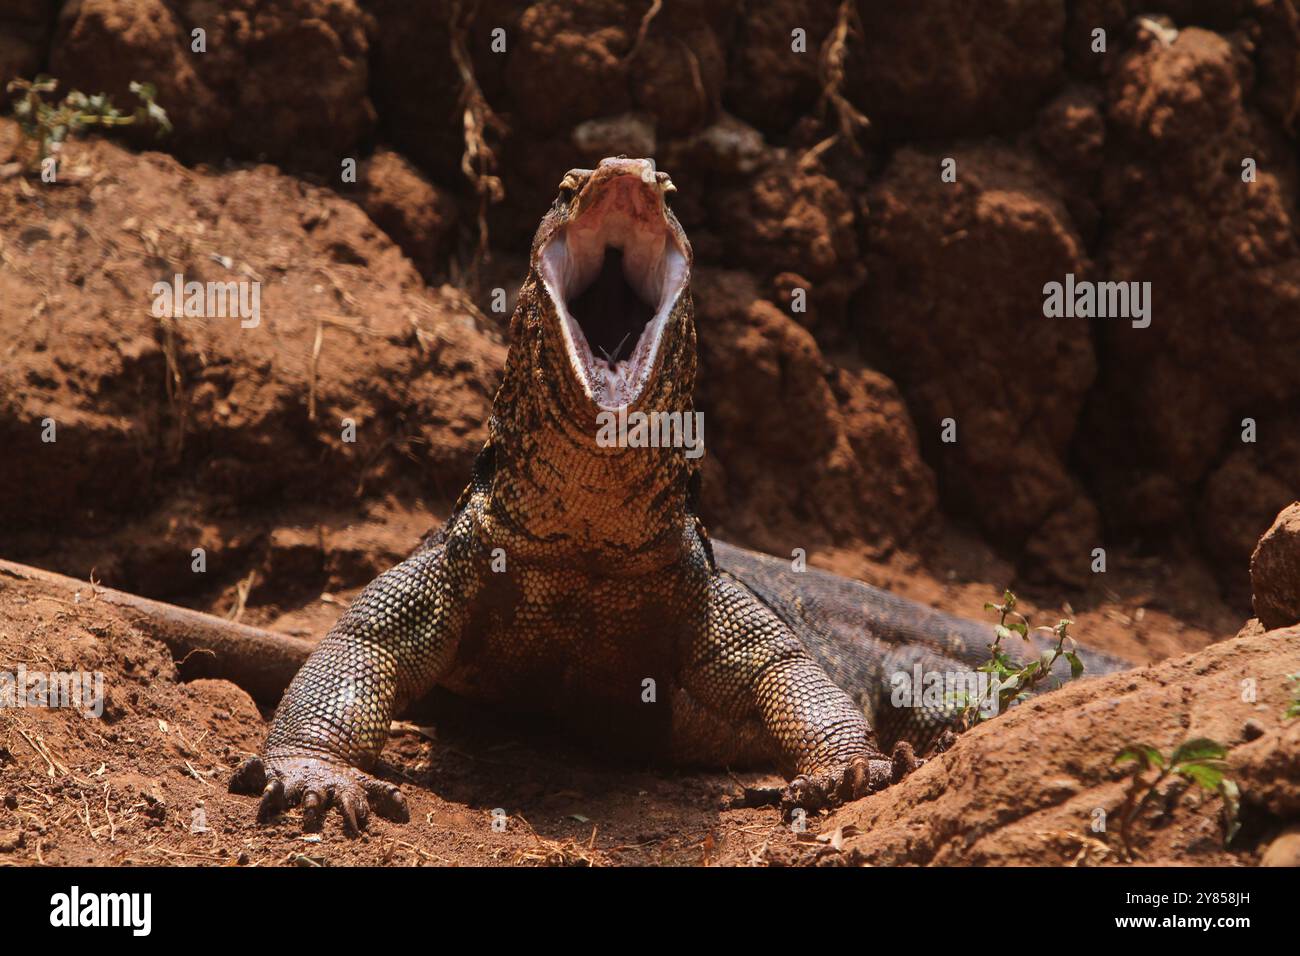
(387, 649)
(747, 664)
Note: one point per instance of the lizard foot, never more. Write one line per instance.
(317, 785)
(829, 788)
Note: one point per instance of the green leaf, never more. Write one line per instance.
(1206, 775)
(1199, 748)
(1076, 665)
(1144, 754)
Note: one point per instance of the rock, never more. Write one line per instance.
(1275, 571)
(1174, 161)
(628, 134)
(1243, 495)
(416, 86)
(1166, 422)
(1268, 769)
(1284, 850)
(678, 72)
(1278, 63)
(728, 147)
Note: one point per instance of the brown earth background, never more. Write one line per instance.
(815, 171)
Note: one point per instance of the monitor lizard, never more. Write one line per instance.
(575, 578)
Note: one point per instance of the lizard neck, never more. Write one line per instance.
(560, 491)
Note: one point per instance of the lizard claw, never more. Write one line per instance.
(317, 785)
(823, 789)
(858, 777)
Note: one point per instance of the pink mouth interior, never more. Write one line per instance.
(614, 273)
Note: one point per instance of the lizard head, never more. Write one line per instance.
(612, 264)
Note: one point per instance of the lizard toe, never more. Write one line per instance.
(386, 800)
(824, 789)
(355, 811)
(316, 785)
(250, 778)
(273, 801)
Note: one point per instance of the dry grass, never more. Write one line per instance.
(546, 852)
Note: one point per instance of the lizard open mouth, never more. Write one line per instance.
(614, 272)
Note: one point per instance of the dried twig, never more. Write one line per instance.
(241, 596)
(479, 162)
(655, 7)
(831, 69)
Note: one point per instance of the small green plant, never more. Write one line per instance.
(1199, 761)
(1293, 708)
(1015, 681)
(49, 123)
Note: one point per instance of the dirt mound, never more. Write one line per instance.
(1073, 434)
(769, 395)
(145, 783)
(417, 215)
(1223, 260)
(1030, 786)
(288, 82)
(955, 68)
(181, 432)
(1012, 390)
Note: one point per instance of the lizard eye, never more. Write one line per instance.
(569, 186)
(666, 185)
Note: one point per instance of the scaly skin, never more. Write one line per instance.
(575, 580)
